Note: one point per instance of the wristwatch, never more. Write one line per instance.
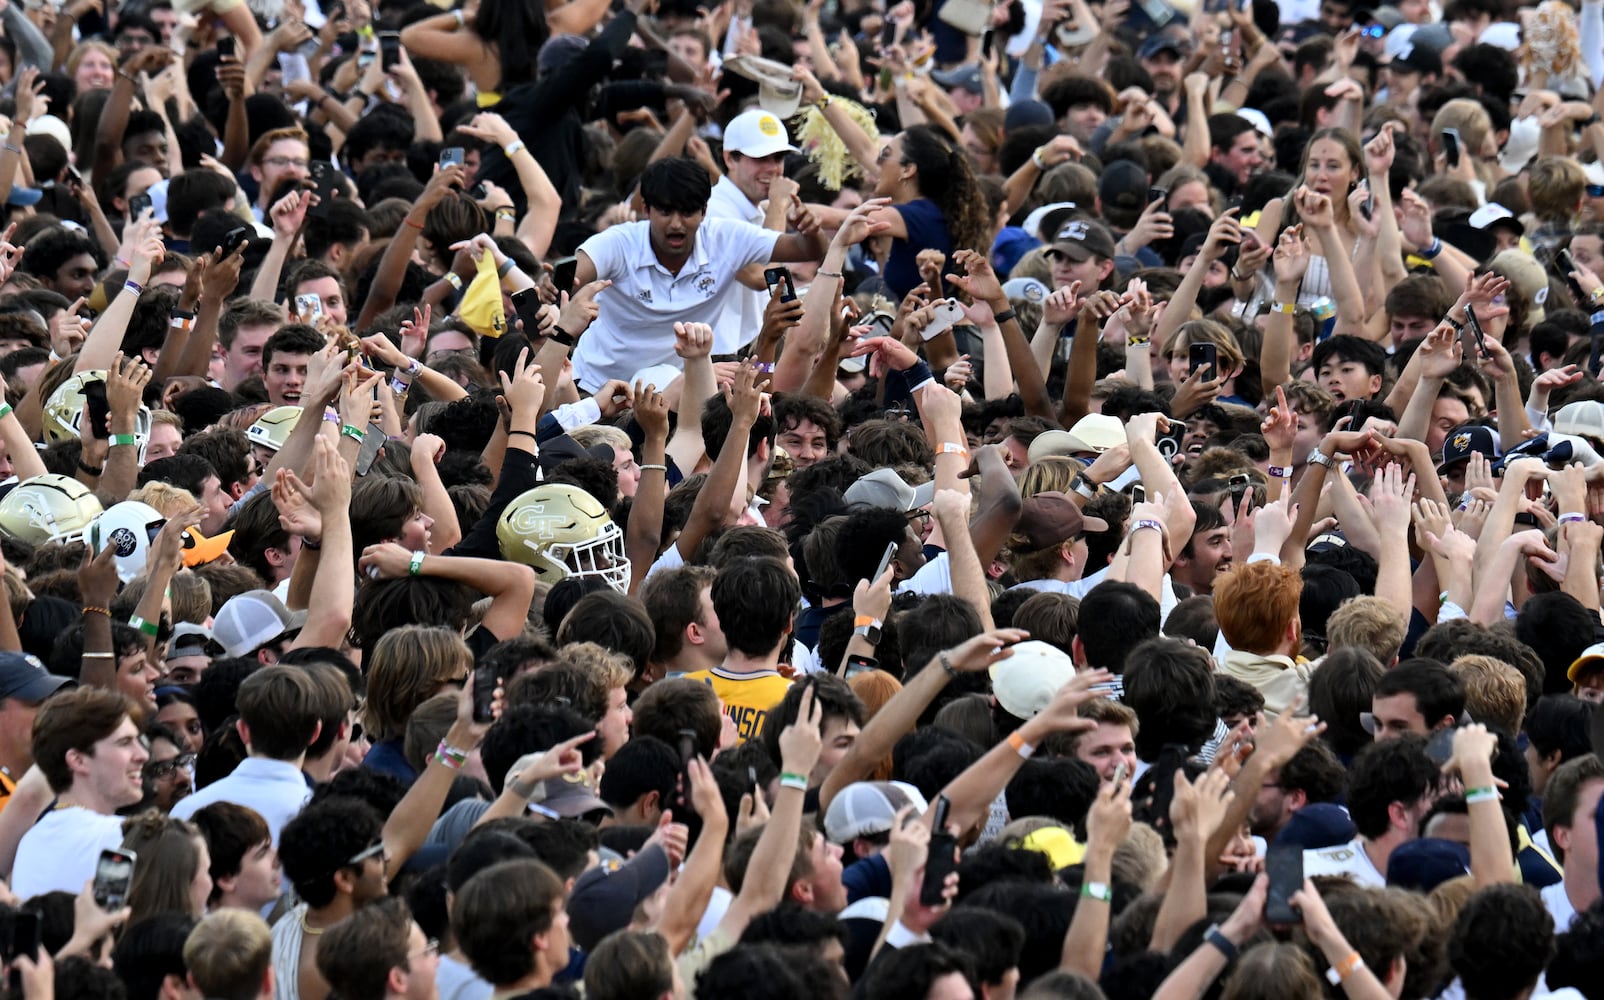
(867, 628)
(1080, 484)
(562, 336)
(1318, 457)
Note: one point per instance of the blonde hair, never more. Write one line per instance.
(168, 500)
(1052, 474)
(228, 954)
(1495, 692)
(84, 48)
(1369, 623)
(591, 435)
(407, 667)
(613, 669)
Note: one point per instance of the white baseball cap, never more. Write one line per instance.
(1026, 682)
(757, 133)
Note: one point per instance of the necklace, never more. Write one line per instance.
(308, 929)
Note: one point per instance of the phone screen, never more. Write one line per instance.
(562, 274)
(942, 859)
(1450, 146)
(781, 275)
(137, 205)
(97, 409)
(1284, 866)
(114, 872)
(484, 693)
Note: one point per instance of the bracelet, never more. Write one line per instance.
(450, 756)
(149, 628)
(822, 102)
(122, 262)
(1285, 308)
(1022, 748)
(462, 19)
(528, 434)
(1567, 518)
(1035, 157)
(415, 567)
(821, 272)
(946, 664)
(1240, 277)
(506, 267)
(1279, 472)
(89, 470)
(307, 543)
(181, 313)
(764, 367)
(12, 147)
(954, 448)
(1146, 522)
(1318, 457)
(513, 147)
(645, 467)
(1004, 316)
(1097, 890)
(408, 220)
(118, 440)
(1486, 793)
(1217, 938)
(95, 609)
(1142, 340)
(507, 214)
(1431, 252)
(1340, 971)
(790, 779)
(453, 279)
(134, 286)
(5, 410)
(98, 656)
(354, 433)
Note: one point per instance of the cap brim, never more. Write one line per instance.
(1075, 251)
(1581, 665)
(41, 687)
(1092, 523)
(923, 494)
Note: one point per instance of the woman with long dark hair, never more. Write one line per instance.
(500, 44)
(936, 203)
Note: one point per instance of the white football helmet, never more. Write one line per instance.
(128, 528)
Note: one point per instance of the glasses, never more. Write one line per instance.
(160, 770)
(1595, 190)
(371, 851)
(286, 161)
(918, 516)
(430, 949)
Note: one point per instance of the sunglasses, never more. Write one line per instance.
(371, 851)
(160, 770)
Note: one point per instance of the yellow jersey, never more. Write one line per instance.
(746, 697)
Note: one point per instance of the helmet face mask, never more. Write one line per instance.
(65, 410)
(559, 530)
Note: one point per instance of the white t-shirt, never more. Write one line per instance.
(1347, 859)
(634, 328)
(1559, 906)
(61, 851)
(742, 316)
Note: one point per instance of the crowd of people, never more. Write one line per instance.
(798, 500)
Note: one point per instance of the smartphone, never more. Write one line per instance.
(452, 156)
(1567, 264)
(114, 873)
(1440, 747)
(390, 51)
(943, 857)
(1367, 208)
(225, 47)
(1473, 328)
(1226, 35)
(335, 11)
(687, 746)
(888, 33)
(562, 273)
(1595, 358)
(776, 275)
(1201, 354)
(234, 239)
(527, 304)
(1450, 146)
(858, 664)
(97, 409)
(885, 560)
(323, 186)
(137, 205)
(24, 936)
(372, 441)
(1120, 771)
(1138, 494)
(948, 315)
(985, 44)
(1284, 866)
(1159, 194)
(309, 308)
(484, 693)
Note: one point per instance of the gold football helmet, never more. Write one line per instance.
(560, 531)
(48, 508)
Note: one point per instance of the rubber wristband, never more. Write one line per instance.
(453, 280)
(415, 567)
(1097, 890)
(1279, 472)
(89, 470)
(506, 267)
(354, 433)
(528, 434)
(1486, 793)
(149, 628)
(1431, 252)
(5, 410)
(414, 225)
(123, 439)
(134, 286)
(1567, 518)
(1004, 316)
(1022, 748)
(1222, 943)
(790, 779)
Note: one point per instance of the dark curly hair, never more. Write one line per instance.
(946, 178)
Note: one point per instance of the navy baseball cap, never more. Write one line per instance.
(24, 677)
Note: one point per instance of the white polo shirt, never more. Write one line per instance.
(634, 327)
(742, 317)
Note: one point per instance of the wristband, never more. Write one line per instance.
(89, 470)
(415, 567)
(861, 620)
(462, 19)
(149, 628)
(506, 213)
(1318, 457)
(95, 609)
(414, 367)
(122, 439)
(1596, 318)
(122, 262)
(528, 434)
(1486, 793)
(790, 779)
(314, 545)
(354, 433)
(1035, 157)
(1146, 522)
(1022, 748)
(1139, 341)
(1217, 938)
(506, 267)
(763, 367)
(954, 448)
(134, 286)
(644, 467)
(946, 664)
(99, 656)
(1431, 252)
(177, 322)
(452, 279)
(1285, 308)
(450, 756)
(513, 147)
(408, 220)
(1097, 890)
(1004, 316)
(822, 273)
(1280, 472)
(1567, 518)
(5, 410)
(400, 386)
(1340, 971)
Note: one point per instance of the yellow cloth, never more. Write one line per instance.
(487, 98)
(1062, 850)
(481, 303)
(746, 697)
